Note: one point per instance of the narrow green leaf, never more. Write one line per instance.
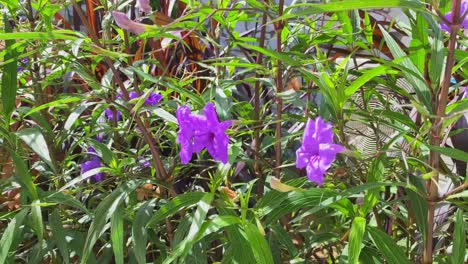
(459, 239)
(164, 115)
(387, 246)
(284, 239)
(58, 235)
(117, 235)
(417, 54)
(363, 79)
(450, 152)
(36, 217)
(174, 205)
(258, 244)
(53, 35)
(273, 54)
(419, 210)
(56, 103)
(22, 175)
(102, 214)
(9, 73)
(64, 199)
(35, 140)
(10, 234)
(197, 221)
(412, 75)
(74, 115)
(139, 234)
(186, 92)
(356, 236)
(347, 5)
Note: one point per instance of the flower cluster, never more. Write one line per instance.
(317, 152)
(197, 132)
(94, 163)
(153, 99)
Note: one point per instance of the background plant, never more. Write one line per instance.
(391, 87)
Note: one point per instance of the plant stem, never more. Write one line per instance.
(257, 128)
(279, 88)
(436, 132)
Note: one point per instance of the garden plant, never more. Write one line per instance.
(242, 131)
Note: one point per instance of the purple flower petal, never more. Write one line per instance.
(132, 95)
(94, 163)
(197, 132)
(185, 134)
(125, 23)
(317, 152)
(144, 6)
(153, 99)
(110, 114)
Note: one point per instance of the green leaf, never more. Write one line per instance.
(11, 233)
(347, 5)
(36, 217)
(173, 206)
(9, 73)
(417, 54)
(258, 244)
(164, 115)
(412, 75)
(74, 115)
(117, 235)
(172, 86)
(297, 200)
(64, 199)
(356, 236)
(197, 221)
(102, 214)
(106, 154)
(35, 140)
(284, 238)
(11, 4)
(387, 246)
(139, 234)
(463, 194)
(23, 176)
(61, 102)
(450, 152)
(459, 239)
(419, 208)
(273, 54)
(363, 79)
(58, 235)
(52, 35)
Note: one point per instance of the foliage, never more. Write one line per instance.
(75, 93)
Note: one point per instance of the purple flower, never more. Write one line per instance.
(317, 151)
(94, 163)
(125, 23)
(24, 62)
(144, 6)
(186, 133)
(144, 163)
(449, 17)
(153, 99)
(197, 132)
(110, 114)
(100, 137)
